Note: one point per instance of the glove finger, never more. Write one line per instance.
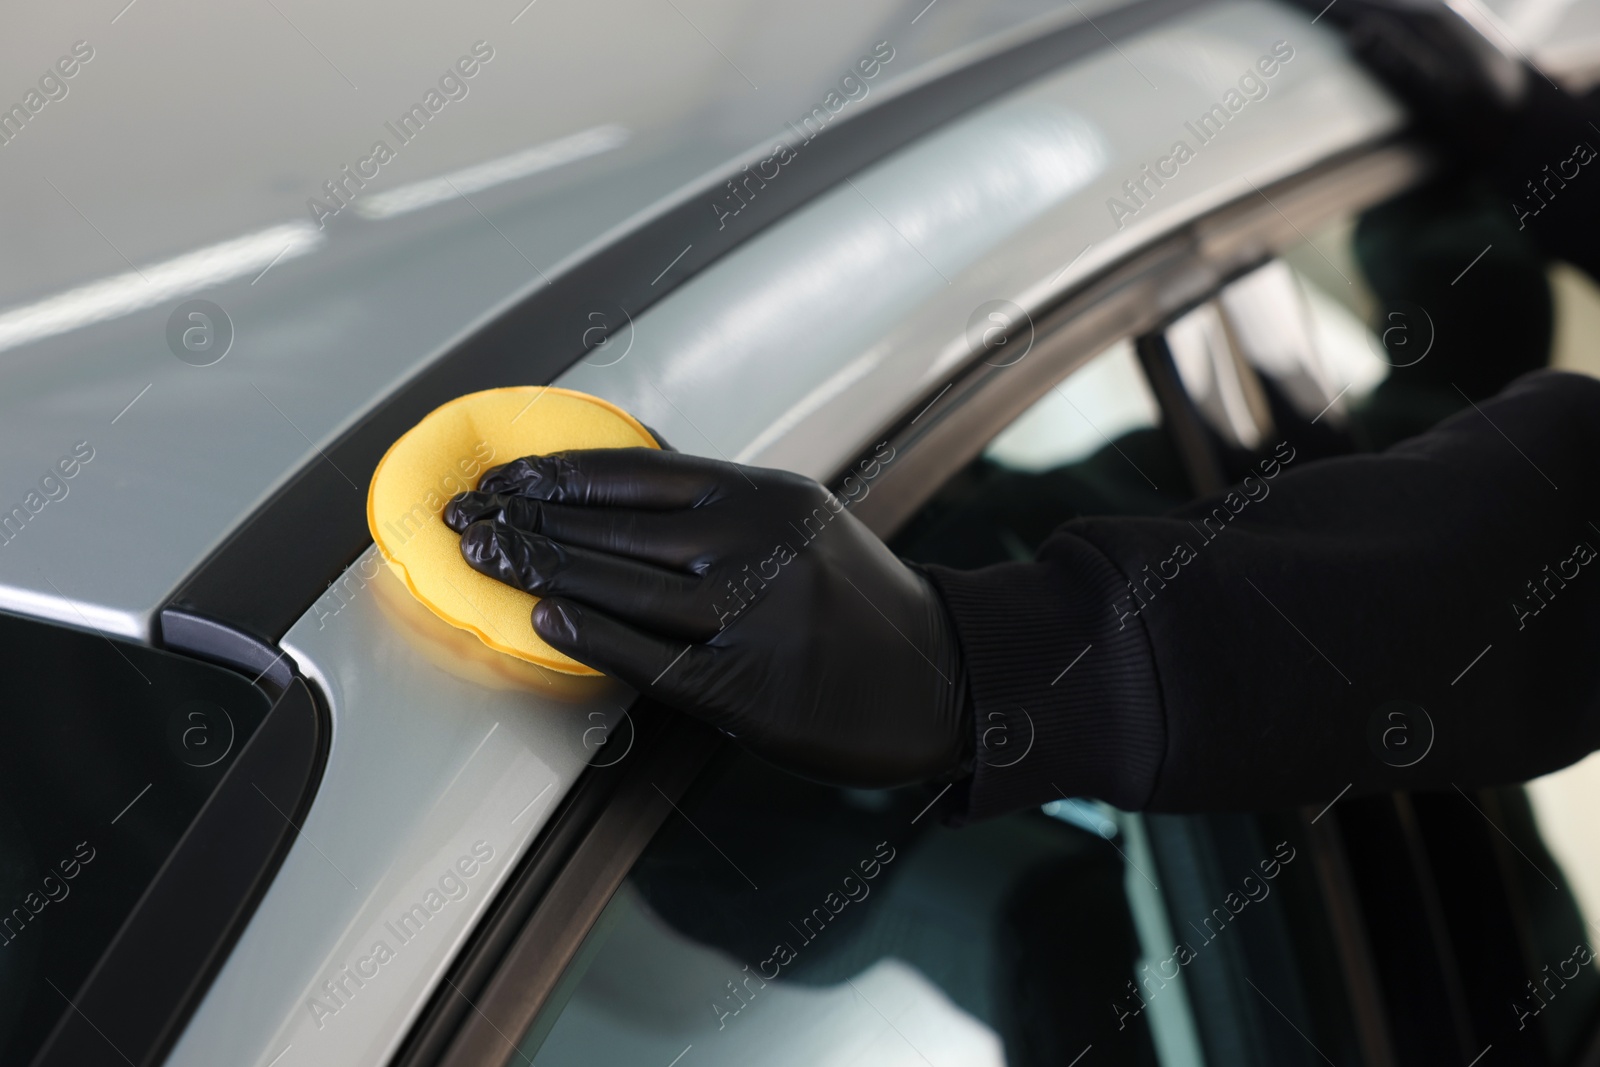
(672, 671)
(663, 601)
(665, 538)
(464, 509)
(615, 477)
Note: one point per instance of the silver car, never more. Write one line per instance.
(1010, 262)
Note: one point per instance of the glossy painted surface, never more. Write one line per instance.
(446, 759)
(179, 159)
(792, 351)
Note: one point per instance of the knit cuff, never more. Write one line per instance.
(1064, 693)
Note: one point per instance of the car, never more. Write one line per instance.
(979, 270)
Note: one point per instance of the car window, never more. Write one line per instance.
(1348, 330)
(1564, 804)
(1106, 399)
(1091, 445)
(1410, 313)
(1210, 365)
(777, 921)
(750, 931)
(111, 750)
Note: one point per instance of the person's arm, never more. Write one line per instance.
(1487, 112)
(1248, 672)
(1240, 653)
(1548, 171)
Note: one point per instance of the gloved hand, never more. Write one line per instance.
(1449, 64)
(746, 597)
(1487, 111)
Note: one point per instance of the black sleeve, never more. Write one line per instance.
(1243, 652)
(1548, 172)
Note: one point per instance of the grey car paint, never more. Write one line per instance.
(791, 351)
(180, 163)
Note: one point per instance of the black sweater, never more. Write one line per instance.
(1240, 651)
(1245, 651)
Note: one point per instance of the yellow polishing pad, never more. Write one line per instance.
(445, 454)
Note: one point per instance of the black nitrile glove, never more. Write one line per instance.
(1470, 93)
(748, 598)
(1456, 77)
(1491, 116)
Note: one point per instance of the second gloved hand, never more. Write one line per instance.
(749, 598)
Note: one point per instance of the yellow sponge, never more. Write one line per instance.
(445, 454)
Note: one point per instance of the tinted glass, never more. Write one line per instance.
(1399, 319)
(110, 750)
(1226, 911)
(1092, 445)
(779, 922)
(1413, 317)
(775, 921)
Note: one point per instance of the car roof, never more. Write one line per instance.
(180, 159)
